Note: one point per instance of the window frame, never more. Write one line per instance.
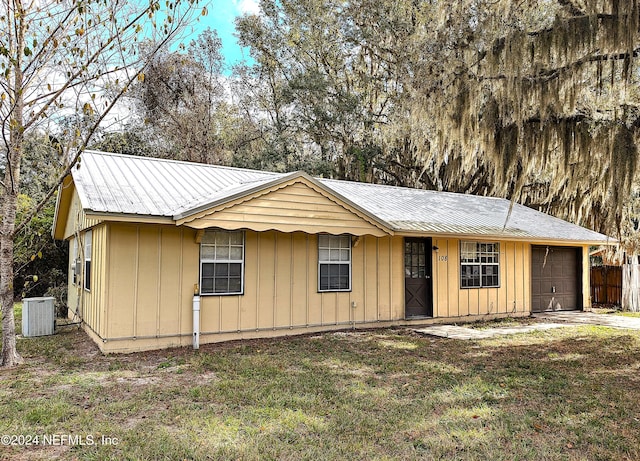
(329, 262)
(74, 261)
(479, 254)
(88, 248)
(215, 261)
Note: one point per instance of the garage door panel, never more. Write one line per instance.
(556, 268)
(568, 286)
(546, 286)
(535, 286)
(556, 286)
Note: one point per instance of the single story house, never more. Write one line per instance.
(166, 253)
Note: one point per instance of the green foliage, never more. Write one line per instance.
(131, 140)
(40, 263)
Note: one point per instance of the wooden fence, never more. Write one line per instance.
(606, 285)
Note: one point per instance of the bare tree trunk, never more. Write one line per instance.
(631, 286)
(82, 48)
(10, 356)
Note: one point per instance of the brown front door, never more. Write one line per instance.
(418, 288)
(555, 278)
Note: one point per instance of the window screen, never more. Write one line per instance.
(87, 259)
(334, 262)
(222, 262)
(479, 264)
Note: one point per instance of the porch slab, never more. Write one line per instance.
(549, 321)
(590, 318)
(458, 332)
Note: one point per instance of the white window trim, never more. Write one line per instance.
(497, 264)
(88, 242)
(320, 263)
(232, 261)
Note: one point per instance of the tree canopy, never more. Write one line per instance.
(533, 100)
(536, 100)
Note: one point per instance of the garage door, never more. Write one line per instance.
(555, 279)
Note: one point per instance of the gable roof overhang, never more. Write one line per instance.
(235, 198)
(63, 204)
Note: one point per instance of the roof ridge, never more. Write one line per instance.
(390, 186)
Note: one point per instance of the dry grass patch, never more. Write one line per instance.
(556, 395)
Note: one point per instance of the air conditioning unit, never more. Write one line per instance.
(38, 317)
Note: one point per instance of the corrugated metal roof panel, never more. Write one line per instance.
(113, 183)
(435, 228)
(416, 210)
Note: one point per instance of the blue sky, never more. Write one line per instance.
(221, 17)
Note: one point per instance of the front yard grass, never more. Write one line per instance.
(629, 314)
(565, 394)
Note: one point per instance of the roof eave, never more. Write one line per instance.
(503, 237)
(65, 191)
(129, 217)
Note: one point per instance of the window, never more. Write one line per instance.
(75, 263)
(479, 265)
(87, 260)
(415, 259)
(222, 263)
(334, 263)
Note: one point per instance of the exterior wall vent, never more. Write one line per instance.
(38, 318)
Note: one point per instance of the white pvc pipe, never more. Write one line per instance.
(196, 322)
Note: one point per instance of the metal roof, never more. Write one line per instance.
(114, 183)
(121, 184)
(434, 212)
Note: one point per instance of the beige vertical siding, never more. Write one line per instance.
(90, 305)
(369, 261)
(146, 294)
(151, 278)
(73, 290)
(586, 278)
(154, 268)
(512, 297)
(281, 287)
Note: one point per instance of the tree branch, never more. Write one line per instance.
(602, 16)
(49, 39)
(571, 7)
(80, 70)
(546, 75)
(83, 145)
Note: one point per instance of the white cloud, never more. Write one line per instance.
(248, 6)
